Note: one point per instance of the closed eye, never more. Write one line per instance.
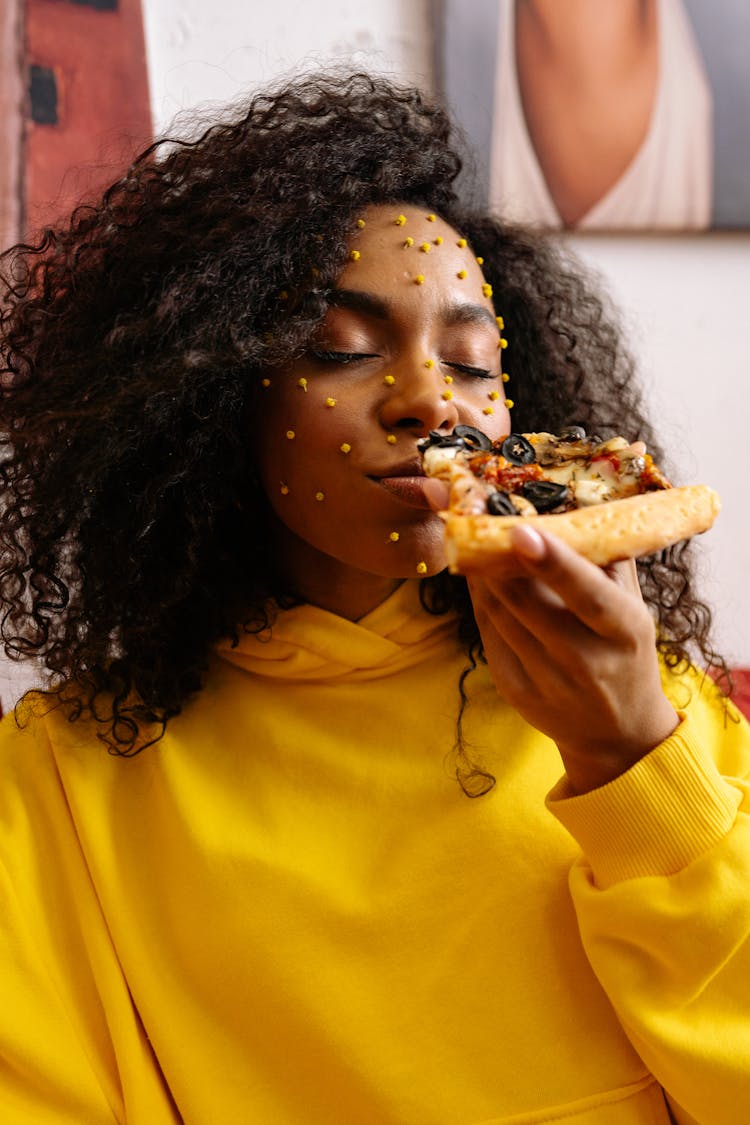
(344, 358)
(468, 369)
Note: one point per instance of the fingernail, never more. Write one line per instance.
(528, 542)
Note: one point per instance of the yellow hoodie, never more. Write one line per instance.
(287, 912)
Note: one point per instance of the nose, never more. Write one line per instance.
(419, 400)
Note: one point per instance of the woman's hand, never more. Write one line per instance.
(571, 647)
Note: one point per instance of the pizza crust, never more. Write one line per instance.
(603, 533)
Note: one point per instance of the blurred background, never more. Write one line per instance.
(85, 83)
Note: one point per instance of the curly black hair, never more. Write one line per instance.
(133, 338)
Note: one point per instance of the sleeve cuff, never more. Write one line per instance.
(656, 818)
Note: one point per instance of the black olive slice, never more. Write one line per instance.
(518, 450)
(473, 438)
(572, 433)
(545, 494)
(500, 504)
(437, 440)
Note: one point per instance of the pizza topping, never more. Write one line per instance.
(518, 450)
(533, 474)
(545, 495)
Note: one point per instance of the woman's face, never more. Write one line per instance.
(410, 344)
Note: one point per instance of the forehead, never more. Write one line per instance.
(412, 255)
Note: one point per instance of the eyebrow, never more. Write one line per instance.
(371, 305)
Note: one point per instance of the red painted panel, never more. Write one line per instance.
(98, 59)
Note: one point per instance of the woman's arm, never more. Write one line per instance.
(587, 74)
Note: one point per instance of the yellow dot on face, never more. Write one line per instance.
(461, 274)
(480, 261)
(494, 395)
(330, 402)
(389, 380)
(447, 378)
(431, 218)
(265, 382)
(447, 395)
(424, 247)
(283, 295)
(320, 495)
(506, 377)
(438, 241)
(400, 220)
(354, 255)
(391, 439)
(509, 403)
(421, 568)
(429, 363)
(291, 435)
(461, 243)
(361, 224)
(503, 342)
(488, 410)
(394, 537)
(284, 489)
(487, 289)
(345, 448)
(500, 322)
(419, 279)
(408, 242)
(302, 383)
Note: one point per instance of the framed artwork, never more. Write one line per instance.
(74, 104)
(591, 115)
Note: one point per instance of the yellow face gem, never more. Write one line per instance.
(487, 289)
(461, 274)
(421, 568)
(438, 241)
(461, 243)
(506, 377)
(345, 448)
(503, 342)
(283, 295)
(494, 395)
(291, 435)
(431, 218)
(330, 402)
(389, 380)
(429, 363)
(394, 537)
(400, 220)
(408, 242)
(488, 410)
(480, 261)
(361, 224)
(447, 395)
(302, 383)
(265, 382)
(447, 378)
(284, 489)
(320, 495)
(424, 247)
(355, 255)
(500, 322)
(509, 403)
(419, 279)
(391, 439)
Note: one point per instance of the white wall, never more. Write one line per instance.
(682, 297)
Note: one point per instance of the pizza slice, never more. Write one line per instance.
(606, 499)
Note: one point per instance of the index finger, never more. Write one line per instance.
(595, 597)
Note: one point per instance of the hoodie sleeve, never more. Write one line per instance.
(662, 895)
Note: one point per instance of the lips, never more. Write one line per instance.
(406, 482)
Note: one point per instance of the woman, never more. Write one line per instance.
(283, 907)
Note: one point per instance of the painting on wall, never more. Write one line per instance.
(74, 105)
(585, 115)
